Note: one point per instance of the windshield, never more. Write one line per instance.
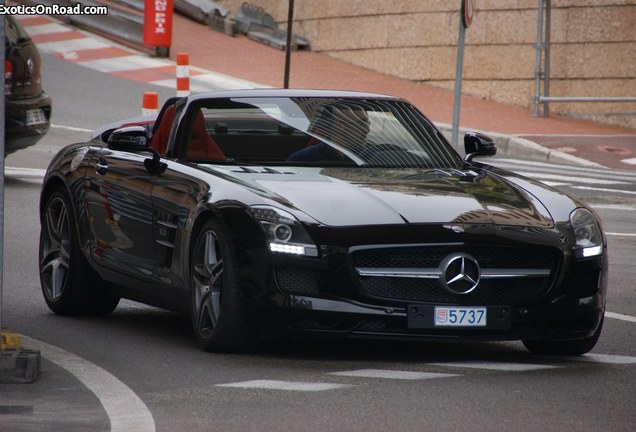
(326, 132)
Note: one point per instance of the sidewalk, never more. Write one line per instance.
(243, 58)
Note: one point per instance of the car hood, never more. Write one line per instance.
(373, 196)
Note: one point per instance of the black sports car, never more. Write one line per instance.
(269, 213)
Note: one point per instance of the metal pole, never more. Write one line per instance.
(290, 20)
(2, 147)
(546, 61)
(458, 81)
(537, 67)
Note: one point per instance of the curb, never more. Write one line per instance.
(511, 146)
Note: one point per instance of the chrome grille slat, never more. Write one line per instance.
(435, 273)
(508, 275)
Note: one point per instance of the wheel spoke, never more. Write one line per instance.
(54, 269)
(207, 281)
(208, 313)
(62, 223)
(55, 252)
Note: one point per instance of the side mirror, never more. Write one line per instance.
(477, 144)
(131, 139)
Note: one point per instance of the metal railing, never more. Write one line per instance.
(543, 45)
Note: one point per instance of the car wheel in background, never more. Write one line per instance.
(564, 347)
(69, 285)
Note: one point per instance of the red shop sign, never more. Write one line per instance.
(158, 23)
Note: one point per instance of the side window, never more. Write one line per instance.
(11, 33)
(14, 34)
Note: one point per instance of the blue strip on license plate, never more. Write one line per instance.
(460, 316)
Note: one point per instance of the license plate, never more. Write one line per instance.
(448, 317)
(35, 116)
(460, 316)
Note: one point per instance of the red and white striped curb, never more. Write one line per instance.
(97, 53)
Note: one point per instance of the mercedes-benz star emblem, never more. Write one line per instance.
(460, 273)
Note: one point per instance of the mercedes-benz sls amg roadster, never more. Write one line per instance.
(298, 213)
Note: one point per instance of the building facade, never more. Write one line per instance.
(593, 47)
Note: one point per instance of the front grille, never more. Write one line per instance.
(488, 257)
(505, 291)
(489, 292)
(582, 284)
(297, 281)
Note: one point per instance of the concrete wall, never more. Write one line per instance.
(593, 46)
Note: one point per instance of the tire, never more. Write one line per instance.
(69, 285)
(218, 315)
(565, 347)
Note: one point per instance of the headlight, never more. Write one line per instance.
(589, 239)
(284, 232)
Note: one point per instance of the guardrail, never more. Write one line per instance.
(124, 22)
(543, 45)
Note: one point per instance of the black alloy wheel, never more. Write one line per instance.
(68, 284)
(218, 316)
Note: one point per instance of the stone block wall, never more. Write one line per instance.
(593, 46)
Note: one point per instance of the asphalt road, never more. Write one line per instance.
(141, 369)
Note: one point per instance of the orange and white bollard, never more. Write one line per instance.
(150, 104)
(183, 74)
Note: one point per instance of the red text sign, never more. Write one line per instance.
(158, 23)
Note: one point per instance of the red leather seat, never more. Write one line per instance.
(159, 140)
(202, 146)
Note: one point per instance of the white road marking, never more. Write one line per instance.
(125, 410)
(47, 28)
(621, 317)
(125, 63)
(507, 367)
(24, 172)
(557, 177)
(605, 190)
(392, 374)
(555, 184)
(614, 234)
(71, 128)
(522, 167)
(603, 358)
(613, 207)
(71, 45)
(285, 385)
(630, 161)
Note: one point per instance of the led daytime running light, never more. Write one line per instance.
(287, 248)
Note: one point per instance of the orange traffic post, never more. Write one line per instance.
(150, 104)
(183, 74)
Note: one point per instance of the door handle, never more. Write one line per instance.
(101, 167)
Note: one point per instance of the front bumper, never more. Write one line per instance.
(572, 308)
(562, 319)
